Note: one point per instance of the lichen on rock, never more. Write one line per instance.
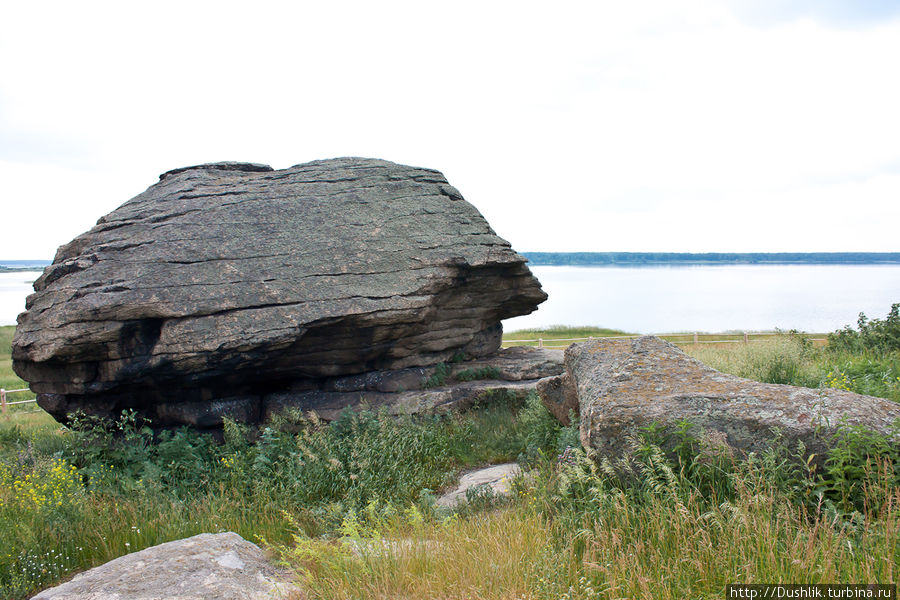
(624, 385)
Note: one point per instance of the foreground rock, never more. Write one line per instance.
(223, 566)
(623, 385)
(226, 283)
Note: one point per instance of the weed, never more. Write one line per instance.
(438, 377)
(480, 373)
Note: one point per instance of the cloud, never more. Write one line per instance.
(645, 122)
(834, 13)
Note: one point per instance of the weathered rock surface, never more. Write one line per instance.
(496, 477)
(623, 385)
(559, 396)
(225, 283)
(208, 566)
(515, 371)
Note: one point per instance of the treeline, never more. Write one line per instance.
(709, 258)
(23, 265)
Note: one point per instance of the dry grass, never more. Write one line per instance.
(490, 556)
(658, 547)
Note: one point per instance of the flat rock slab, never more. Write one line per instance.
(226, 281)
(516, 371)
(497, 477)
(623, 385)
(221, 566)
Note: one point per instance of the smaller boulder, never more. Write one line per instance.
(495, 477)
(623, 385)
(208, 566)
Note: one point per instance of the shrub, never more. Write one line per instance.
(876, 335)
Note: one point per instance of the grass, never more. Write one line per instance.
(556, 332)
(793, 359)
(670, 544)
(74, 498)
(349, 505)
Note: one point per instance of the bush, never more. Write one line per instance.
(876, 335)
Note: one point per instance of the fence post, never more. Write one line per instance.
(696, 338)
(746, 337)
(540, 342)
(3, 400)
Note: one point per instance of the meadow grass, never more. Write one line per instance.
(350, 505)
(562, 335)
(668, 544)
(560, 332)
(793, 359)
(74, 498)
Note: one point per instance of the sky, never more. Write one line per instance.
(690, 126)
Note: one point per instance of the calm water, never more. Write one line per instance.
(14, 288)
(815, 298)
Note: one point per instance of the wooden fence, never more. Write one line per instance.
(675, 338)
(4, 403)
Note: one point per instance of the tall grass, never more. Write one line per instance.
(350, 505)
(576, 533)
(790, 358)
(74, 498)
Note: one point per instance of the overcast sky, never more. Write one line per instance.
(754, 125)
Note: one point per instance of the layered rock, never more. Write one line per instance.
(624, 385)
(514, 372)
(208, 566)
(225, 283)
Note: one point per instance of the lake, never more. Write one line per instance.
(815, 298)
(14, 288)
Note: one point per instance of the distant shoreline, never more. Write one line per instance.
(632, 259)
(12, 266)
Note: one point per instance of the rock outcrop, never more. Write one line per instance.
(623, 385)
(226, 283)
(208, 566)
(513, 371)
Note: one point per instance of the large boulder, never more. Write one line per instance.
(221, 566)
(227, 282)
(624, 385)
